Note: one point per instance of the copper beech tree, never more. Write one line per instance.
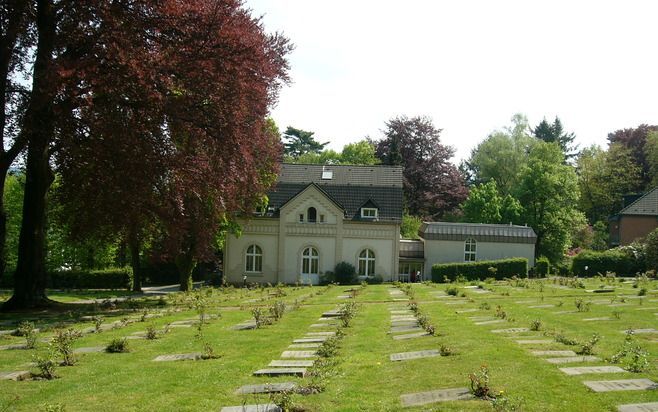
(154, 115)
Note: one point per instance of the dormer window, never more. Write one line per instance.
(312, 215)
(369, 212)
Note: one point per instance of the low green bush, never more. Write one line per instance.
(590, 263)
(115, 278)
(479, 270)
(542, 267)
(374, 280)
(345, 273)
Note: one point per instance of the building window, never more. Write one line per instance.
(321, 218)
(312, 215)
(254, 261)
(301, 218)
(469, 250)
(310, 261)
(369, 212)
(366, 263)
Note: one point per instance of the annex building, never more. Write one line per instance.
(319, 216)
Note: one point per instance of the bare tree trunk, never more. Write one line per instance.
(30, 276)
(134, 246)
(185, 263)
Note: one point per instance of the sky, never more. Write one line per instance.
(468, 65)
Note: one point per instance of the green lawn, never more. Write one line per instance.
(365, 379)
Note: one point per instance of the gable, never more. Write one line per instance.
(646, 205)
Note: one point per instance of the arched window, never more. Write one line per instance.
(312, 215)
(254, 259)
(310, 261)
(366, 263)
(469, 250)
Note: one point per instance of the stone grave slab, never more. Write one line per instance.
(135, 337)
(511, 330)
(178, 357)
(534, 341)
(402, 312)
(639, 407)
(457, 302)
(541, 306)
(441, 296)
(304, 345)
(266, 388)
(414, 355)
(564, 312)
(410, 336)
(553, 353)
(582, 370)
(404, 323)
(263, 407)
(13, 347)
(400, 299)
(616, 305)
(595, 319)
(326, 320)
(466, 311)
(403, 317)
(441, 395)
(322, 325)
(184, 322)
(489, 322)
(524, 302)
(299, 354)
(320, 334)
(481, 291)
(318, 339)
(181, 326)
(621, 385)
(91, 349)
(15, 376)
(291, 363)
(281, 372)
(481, 318)
(648, 308)
(573, 359)
(641, 331)
(332, 314)
(343, 297)
(402, 329)
(244, 326)
(470, 287)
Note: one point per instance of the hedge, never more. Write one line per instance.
(114, 278)
(480, 270)
(542, 267)
(613, 260)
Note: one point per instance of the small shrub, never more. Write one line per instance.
(485, 306)
(560, 338)
(445, 350)
(208, 351)
(345, 273)
(27, 330)
(260, 317)
(46, 365)
(480, 383)
(452, 291)
(616, 314)
(151, 332)
(277, 310)
(542, 267)
(581, 305)
(536, 325)
(638, 359)
(587, 348)
(642, 292)
(329, 348)
(62, 342)
(118, 345)
(283, 400)
(53, 407)
(500, 313)
(98, 321)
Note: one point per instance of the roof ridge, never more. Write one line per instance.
(638, 200)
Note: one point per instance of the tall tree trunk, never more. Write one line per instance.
(30, 276)
(185, 263)
(16, 23)
(134, 246)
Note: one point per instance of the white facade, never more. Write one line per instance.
(295, 249)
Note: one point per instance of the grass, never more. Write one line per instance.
(365, 380)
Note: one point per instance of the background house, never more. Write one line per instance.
(636, 220)
(317, 217)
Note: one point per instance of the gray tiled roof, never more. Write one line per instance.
(647, 205)
(350, 187)
(478, 231)
(342, 175)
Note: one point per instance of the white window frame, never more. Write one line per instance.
(470, 250)
(366, 212)
(367, 256)
(312, 259)
(253, 259)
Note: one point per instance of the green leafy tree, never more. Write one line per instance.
(603, 178)
(548, 190)
(410, 226)
(13, 201)
(298, 142)
(486, 205)
(651, 154)
(501, 156)
(359, 153)
(651, 250)
(554, 132)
